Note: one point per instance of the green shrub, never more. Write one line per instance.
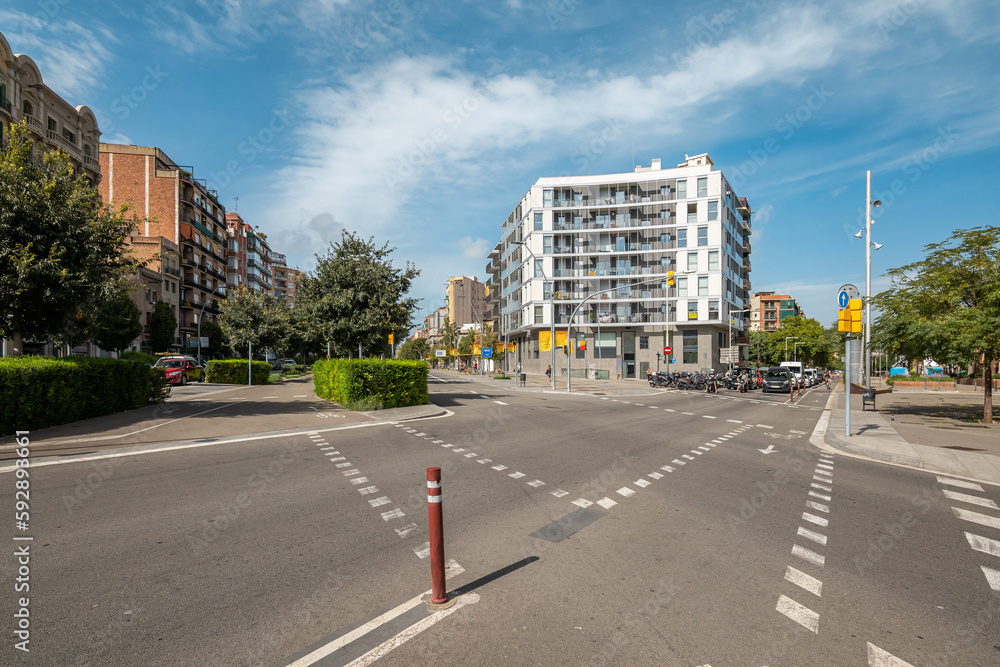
(234, 371)
(388, 383)
(37, 392)
(132, 355)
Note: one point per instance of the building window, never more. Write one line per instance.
(713, 210)
(547, 245)
(538, 222)
(539, 273)
(52, 125)
(539, 317)
(713, 310)
(703, 187)
(690, 346)
(682, 286)
(692, 261)
(69, 136)
(547, 198)
(682, 189)
(605, 345)
(664, 238)
(643, 342)
(702, 236)
(713, 260)
(702, 285)
(692, 310)
(27, 108)
(682, 238)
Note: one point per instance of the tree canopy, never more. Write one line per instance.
(414, 348)
(355, 296)
(814, 348)
(161, 328)
(248, 317)
(116, 323)
(63, 253)
(946, 306)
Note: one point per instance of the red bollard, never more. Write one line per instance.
(791, 393)
(435, 525)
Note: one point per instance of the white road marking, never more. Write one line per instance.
(725, 437)
(806, 554)
(484, 396)
(803, 580)
(606, 503)
(879, 658)
(393, 514)
(420, 435)
(828, 480)
(823, 465)
(582, 502)
(300, 396)
(734, 421)
(376, 502)
(687, 456)
(516, 475)
(339, 458)
(406, 635)
(352, 471)
(709, 417)
(679, 462)
(689, 414)
(652, 407)
(365, 490)
(626, 492)
(976, 517)
(359, 480)
(323, 449)
(499, 402)
(471, 455)
(484, 461)
(983, 544)
(559, 493)
(458, 450)
(642, 483)
(818, 506)
(697, 452)
(799, 432)
(820, 486)
(669, 409)
(712, 444)
(667, 468)
(406, 530)
(655, 475)
(972, 500)
(812, 535)
(536, 483)
(499, 467)
(821, 496)
(718, 442)
(704, 448)
(804, 616)
(438, 442)
(765, 425)
(346, 464)
(962, 484)
(640, 405)
(423, 551)
(818, 520)
(992, 577)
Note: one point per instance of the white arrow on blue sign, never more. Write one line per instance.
(843, 298)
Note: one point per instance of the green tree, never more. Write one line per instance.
(760, 351)
(355, 296)
(161, 328)
(449, 336)
(217, 340)
(248, 317)
(467, 342)
(946, 306)
(414, 348)
(813, 346)
(62, 252)
(116, 323)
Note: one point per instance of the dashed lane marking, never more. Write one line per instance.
(499, 467)
(499, 402)
(667, 468)
(626, 492)
(377, 502)
(393, 514)
(406, 530)
(656, 475)
(516, 475)
(559, 493)
(606, 503)
(734, 421)
(582, 502)
(642, 483)
(536, 483)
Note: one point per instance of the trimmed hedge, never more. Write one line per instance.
(36, 392)
(391, 382)
(132, 355)
(234, 371)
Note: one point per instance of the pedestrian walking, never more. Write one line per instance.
(548, 372)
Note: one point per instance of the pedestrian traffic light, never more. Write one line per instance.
(583, 346)
(670, 278)
(849, 319)
(390, 339)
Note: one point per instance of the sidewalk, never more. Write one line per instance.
(935, 431)
(539, 383)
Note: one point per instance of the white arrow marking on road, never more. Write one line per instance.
(879, 658)
(770, 450)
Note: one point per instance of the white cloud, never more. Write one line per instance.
(475, 249)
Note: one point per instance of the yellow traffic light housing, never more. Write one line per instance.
(849, 319)
(670, 278)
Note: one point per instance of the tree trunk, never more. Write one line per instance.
(16, 345)
(988, 392)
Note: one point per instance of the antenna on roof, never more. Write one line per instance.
(236, 207)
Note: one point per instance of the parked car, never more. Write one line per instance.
(778, 378)
(282, 364)
(181, 369)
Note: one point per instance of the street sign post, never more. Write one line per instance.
(487, 353)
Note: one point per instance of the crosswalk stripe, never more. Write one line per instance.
(806, 554)
(992, 577)
(559, 493)
(821, 487)
(802, 615)
(655, 475)
(972, 500)
(976, 517)
(879, 658)
(818, 506)
(606, 503)
(582, 502)
(803, 580)
(626, 492)
(818, 520)
(821, 496)
(984, 544)
(812, 535)
(962, 484)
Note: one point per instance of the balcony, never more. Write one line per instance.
(5, 108)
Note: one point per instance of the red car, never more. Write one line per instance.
(181, 369)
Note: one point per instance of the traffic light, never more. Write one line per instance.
(390, 339)
(565, 349)
(583, 346)
(849, 319)
(670, 278)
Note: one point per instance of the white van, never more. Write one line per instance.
(796, 368)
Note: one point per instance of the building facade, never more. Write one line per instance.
(181, 209)
(641, 261)
(767, 309)
(159, 279)
(466, 300)
(286, 279)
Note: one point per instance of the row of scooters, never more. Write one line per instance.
(710, 382)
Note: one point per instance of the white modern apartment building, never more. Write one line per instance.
(604, 247)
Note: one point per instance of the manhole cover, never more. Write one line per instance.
(963, 449)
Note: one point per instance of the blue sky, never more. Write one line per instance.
(422, 124)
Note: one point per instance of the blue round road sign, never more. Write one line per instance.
(843, 298)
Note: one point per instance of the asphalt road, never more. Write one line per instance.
(698, 549)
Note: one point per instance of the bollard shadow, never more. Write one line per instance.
(493, 576)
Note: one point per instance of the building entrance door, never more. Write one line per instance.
(628, 354)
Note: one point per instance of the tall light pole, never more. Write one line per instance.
(787, 338)
(869, 204)
(552, 329)
(795, 349)
(731, 313)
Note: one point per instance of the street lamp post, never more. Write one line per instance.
(552, 328)
(868, 276)
(731, 313)
(200, 316)
(787, 338)
(795, 349)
